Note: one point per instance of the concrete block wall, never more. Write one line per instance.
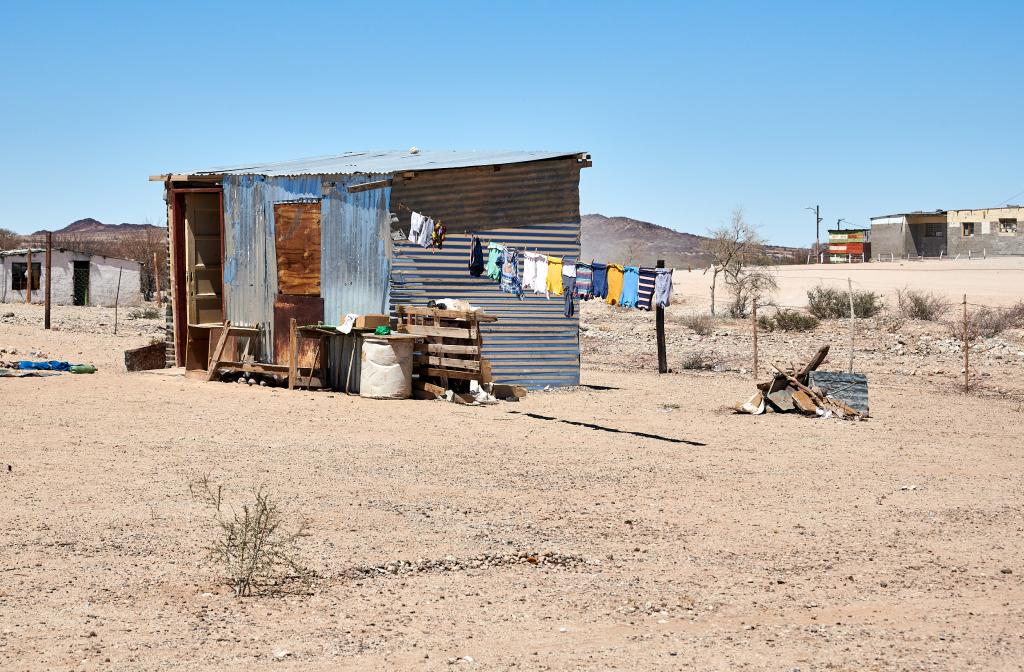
(890, 236)
(986, 239)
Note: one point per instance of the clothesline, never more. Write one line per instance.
(626, 286)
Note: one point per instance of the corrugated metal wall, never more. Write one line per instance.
(354, 247)
(469, 199)
(533, 343)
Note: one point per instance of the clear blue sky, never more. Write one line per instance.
(689, 109)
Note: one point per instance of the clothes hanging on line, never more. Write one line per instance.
(599, 285)
(417, 225)
(584, 281)
(437, 235)
(535, 272)
(569, 287)
(663, 287)
(645, 294)
(569, 267)
(614, 284)
(476, 257)
(554, 277)
(510, 281)
(494, 260)
(630, 287)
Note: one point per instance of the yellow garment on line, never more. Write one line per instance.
(614, 284)
(554, 279)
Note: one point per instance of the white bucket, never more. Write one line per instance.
(386, 371)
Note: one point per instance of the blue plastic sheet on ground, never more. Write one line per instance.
(53, 365)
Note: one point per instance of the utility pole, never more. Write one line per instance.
(817, 231)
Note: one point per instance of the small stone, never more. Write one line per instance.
(1006, 570)
(884, 584)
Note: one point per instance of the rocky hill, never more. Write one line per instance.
(90, 227)
(631, 241)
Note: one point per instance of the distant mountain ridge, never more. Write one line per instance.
(631, 241)
(90, 226)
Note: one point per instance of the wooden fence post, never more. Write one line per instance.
(659, 326)
(753, 325)
(967, 350)
(117, 298)
(156, 279)
(28, 285)
(49, 269)
(849, 283)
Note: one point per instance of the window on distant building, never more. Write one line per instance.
(967, 229)
(934, 230)
(1007, 226)
(19, 275)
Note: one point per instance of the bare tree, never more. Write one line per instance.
(10, 240)
(752, 283)
(730, 246)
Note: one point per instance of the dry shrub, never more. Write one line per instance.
(702, 324)
(786, 319)
(257, 544)
(829, 303)
(146, 313)
(918, 305)
(699, 361)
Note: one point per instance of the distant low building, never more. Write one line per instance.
(919, 234)
(988, 231)
(848, 246)
(79, 278)
(949, 233)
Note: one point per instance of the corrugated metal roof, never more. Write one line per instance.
(384, 161)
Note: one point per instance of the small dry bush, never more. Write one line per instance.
(699, 361)
(914, 304)
(147, 313)
(787, 320)
(829, 303)
(702, 324)
(987, 322)
(256, 544)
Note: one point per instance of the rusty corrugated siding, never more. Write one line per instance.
(354, 247)
(472, 199)
(533, 343)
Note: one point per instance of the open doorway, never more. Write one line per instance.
(203, 259)
(80, 279)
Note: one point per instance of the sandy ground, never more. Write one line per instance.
(994, 281)
(682, 536)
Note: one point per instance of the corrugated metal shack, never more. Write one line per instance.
(230, 256)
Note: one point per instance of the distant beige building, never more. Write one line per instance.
(949, 233)
(995, 231)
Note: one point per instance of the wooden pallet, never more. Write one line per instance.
(450, 349)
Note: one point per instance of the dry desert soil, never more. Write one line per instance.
(632, 523)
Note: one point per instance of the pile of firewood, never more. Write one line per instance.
(791, 389)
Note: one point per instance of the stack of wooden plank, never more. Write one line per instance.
(449, 354)
(791, 389)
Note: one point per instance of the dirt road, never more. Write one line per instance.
(682, 536)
